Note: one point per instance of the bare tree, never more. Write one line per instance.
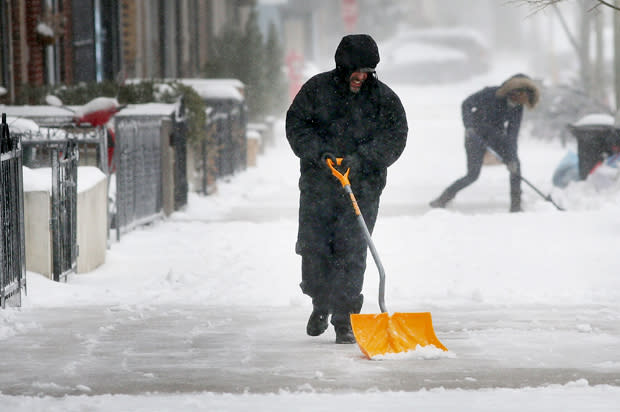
(590, 24)
(541, 4)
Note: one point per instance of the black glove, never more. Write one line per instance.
(327, 155)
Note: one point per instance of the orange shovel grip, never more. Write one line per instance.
(344, 178)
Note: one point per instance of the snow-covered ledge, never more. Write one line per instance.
(91, 219)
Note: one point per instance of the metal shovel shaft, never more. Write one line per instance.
(527, 182)
(371, 246)
(381, 333)
(344, 181)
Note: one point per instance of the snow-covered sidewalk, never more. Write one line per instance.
(203, 311)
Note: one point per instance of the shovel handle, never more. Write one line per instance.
(343, 178)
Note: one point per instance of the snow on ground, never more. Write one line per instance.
(576, 396)
(236, 249)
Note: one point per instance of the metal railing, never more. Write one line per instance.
(230, 122)
(64, 159)
(58, 146)
(12, 243)
(141, 140)
(92, 143)
(137, 157)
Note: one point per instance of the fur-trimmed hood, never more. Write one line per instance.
(520, 82)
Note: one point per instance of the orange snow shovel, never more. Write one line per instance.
(382, 333)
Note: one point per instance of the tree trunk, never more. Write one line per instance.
(598, 72)
(584, 47)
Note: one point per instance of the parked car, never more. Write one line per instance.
(436, 55)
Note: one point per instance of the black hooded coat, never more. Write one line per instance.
(370, 129)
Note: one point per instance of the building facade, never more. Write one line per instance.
(49, 42)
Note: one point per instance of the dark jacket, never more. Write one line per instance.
(326, 116)
(489, 113)
(491, 116)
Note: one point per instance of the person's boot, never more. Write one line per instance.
(515, 192)
(515, 203)
(344, 334)
(441, 201)
(317, 323)
(341, 319)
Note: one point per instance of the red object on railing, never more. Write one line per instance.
(98, 111)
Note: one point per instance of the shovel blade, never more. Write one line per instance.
(401, 332)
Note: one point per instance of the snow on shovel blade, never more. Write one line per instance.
(401, 332)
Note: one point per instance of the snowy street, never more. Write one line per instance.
(203, 311)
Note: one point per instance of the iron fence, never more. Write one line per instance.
(12, 244)
(229, 118)
(137, 158)
(64, 158)
(92, 144)
(59, 146)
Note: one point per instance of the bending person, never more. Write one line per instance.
(492, 117)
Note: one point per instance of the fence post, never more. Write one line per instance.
(167, 166)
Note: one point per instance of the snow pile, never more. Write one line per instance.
(19, 125)
(429, 352)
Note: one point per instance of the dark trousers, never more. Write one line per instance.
(333, 273)
(475, 147)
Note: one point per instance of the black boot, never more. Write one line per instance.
(515, 202)
(344, 334)
(515, 190)
(317, 323)
(341, 319)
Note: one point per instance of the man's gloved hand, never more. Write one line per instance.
(328, 155)
(513, 166)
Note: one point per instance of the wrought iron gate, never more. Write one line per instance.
(63, 224)
(12, 244)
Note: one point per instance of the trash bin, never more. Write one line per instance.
(597, 138)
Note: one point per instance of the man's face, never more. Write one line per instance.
(356, 80)
(520, 97)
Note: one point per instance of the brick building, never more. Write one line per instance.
(34, 46)
(48, 42)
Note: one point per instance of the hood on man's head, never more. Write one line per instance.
(357, 51)
(520, 82)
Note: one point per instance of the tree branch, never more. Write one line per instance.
(538, 5)
(608, 4)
